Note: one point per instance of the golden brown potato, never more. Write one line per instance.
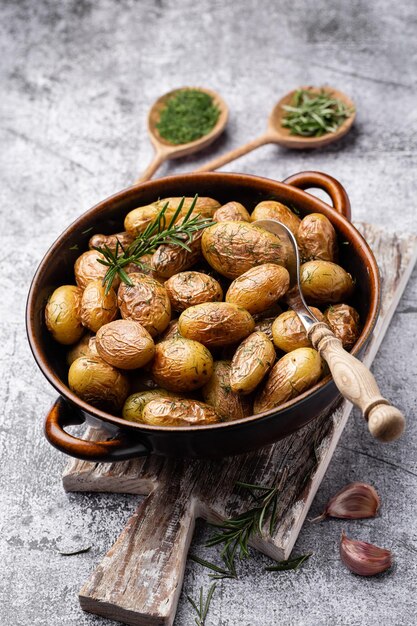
(294, 373)
(252, 361)
(137, 220)
(98, 383)
(288, 333)
(272, 210)
(87, 268)
(232, 248)
(317, 238)
(218, 394)
(231, 212)
(135, 403)
(146, 302)
(85, 347)
(259, 288)
(171, 412)
(216, 323)
(265, 326)
(97, 307)
(63, 314)
(190, 288)
(168, 260)
(323, 282)
(181, 364)
(125, 344)
(171, 332)
(345, 322)
(99, 241)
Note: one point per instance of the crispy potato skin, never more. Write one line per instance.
(288, 333)
(135, 403)
(168, 260)
(323, 282)
(125, 344)
(271, 210)
(98, 383)
(85, 347)
(63, 314)
(87, 268)
(137, 220)
(190, 288)
(181, 364)
(182, 412)
(232, 248)
(145, 268)
(345, 322)
(294, 373)
(219, 394)
(259, 288)
(251, 362)
(146, 302)
(97, 308)
(216, 323)
(317, 238)
(98, 241)
(265, 326)
(232, 212)
(171, 332)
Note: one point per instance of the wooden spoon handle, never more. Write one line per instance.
(155, 164)
(236, 153)
(356, 383)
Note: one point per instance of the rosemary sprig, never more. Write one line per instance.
(293, 563)
(219, 572)
(156, 233)
(312, 114)
(202, 608)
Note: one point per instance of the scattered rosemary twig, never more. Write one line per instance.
(202, 608)
(74, 552)
(156, 233)
(293, 563)
(219, 572)
(312, 114)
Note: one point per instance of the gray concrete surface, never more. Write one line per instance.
(77, 78)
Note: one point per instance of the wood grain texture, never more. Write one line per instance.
(139, 580)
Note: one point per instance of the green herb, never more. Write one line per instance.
(74, 247)
(87, 230)
(202, 608)
(188, 115)
(219, 572)
(80, 551)
(294, 563)
(312, 114)
(155, 234)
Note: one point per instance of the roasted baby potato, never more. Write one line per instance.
(110, 241)
(168, 260)
(182, 412)
(344, 321)
(288, 333)
(85, 347)
(87, 268)
(190, 288)
(125, 344)
(294, 373)
(63, 314)
(216, 323)
(259, 288)
(137, 220)
(231, 212)
(218, 394)
(171, 332)
(232, 248)
(252, 361)
(97, 307)
(323, 282)
(271, 210)
(146, 302)
(317, 238)
(265, 326)
(181, 364)
(144, 267)
(98, 383)
(135, 403)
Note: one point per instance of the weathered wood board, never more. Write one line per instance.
(139, 580)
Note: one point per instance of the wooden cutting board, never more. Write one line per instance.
(139, 580)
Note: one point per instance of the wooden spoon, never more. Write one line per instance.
(276, 133)
(165, 150)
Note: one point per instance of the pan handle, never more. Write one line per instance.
(318, 180)
(62, 414)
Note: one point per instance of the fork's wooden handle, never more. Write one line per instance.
(356, 383)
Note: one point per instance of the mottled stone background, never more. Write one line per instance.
(77, 78)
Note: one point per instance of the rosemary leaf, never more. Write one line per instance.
(313, 114)
(202, 608)
(73, 553)
(290, 564)
(220, 572)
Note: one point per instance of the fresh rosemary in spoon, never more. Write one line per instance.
(202, 608)
(313, 114)
(156, 233)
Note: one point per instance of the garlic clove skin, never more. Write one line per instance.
(364, 558)
(354, 501)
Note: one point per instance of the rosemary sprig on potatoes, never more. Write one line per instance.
(156, 233)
